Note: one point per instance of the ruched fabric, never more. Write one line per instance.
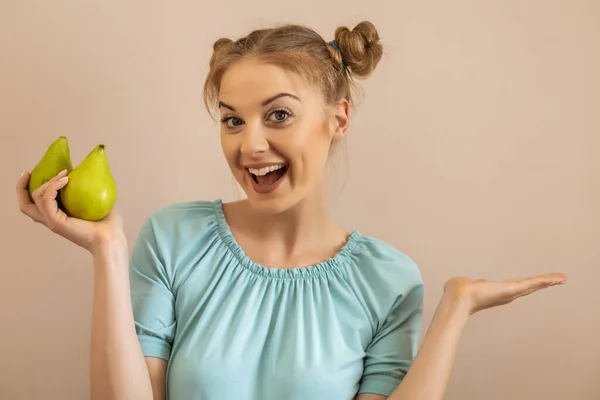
(234, 329)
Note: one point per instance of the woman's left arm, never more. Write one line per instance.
(429, 373)
(428, 376)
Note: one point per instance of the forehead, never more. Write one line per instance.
(249, 82)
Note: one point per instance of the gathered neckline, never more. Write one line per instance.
(317, 269)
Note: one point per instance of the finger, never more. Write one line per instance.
(546, 279)
(48, 204)
(39, 192)
(26, 206)
(533, 284)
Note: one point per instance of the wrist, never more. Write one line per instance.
(109, 245)
(455, 304)
(458, 294)
(111, 259)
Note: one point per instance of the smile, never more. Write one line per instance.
(266, 179)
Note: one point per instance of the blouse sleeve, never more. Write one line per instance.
(152, 299)
(394, 347)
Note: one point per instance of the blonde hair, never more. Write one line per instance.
(330, 68)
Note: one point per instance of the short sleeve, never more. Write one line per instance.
(151, 295)
(394, 347)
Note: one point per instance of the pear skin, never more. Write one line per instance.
(56, 158)
(91, 191)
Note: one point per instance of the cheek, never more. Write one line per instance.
(229, 147)
(309, 149)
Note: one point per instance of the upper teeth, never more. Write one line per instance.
(266, 170)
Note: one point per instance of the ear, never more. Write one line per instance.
(341, 115)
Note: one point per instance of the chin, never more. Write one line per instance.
(272, 197)
(271, 204)
(267, 197)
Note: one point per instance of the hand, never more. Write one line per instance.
(44, 210)
(481, 294)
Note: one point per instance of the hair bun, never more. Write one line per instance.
(360, 48)
(219, 46)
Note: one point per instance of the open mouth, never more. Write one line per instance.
(267, 178)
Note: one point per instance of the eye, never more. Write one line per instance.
(232, 122)
(280, 115)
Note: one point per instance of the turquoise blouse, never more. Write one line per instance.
(234, 329)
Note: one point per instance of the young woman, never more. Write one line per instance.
(268, 298)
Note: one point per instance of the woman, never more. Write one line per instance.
(268, 298)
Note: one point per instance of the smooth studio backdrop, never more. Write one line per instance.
(474, 152)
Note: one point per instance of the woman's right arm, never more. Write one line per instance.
(118, 368)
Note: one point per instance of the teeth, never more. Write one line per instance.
(266, 170)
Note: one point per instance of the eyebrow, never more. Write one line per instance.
(265, 102)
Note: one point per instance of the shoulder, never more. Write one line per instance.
(172, 234)
(184, 211)
(182, 215)
(386, 280)
(381, 260)
(181, 225)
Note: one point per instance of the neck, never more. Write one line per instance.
(298, 235)
(305, 220)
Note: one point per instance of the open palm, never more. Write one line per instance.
(482, 293)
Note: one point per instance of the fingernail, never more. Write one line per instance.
(22, 173)
(63, 179)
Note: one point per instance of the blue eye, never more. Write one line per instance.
(232, 122)
(276, 116)
(279, 115)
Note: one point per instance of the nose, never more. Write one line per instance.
(254, 141)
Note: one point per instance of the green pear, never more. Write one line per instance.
(91, 191)
(56, 158)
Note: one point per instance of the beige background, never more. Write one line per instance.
(475, 152)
